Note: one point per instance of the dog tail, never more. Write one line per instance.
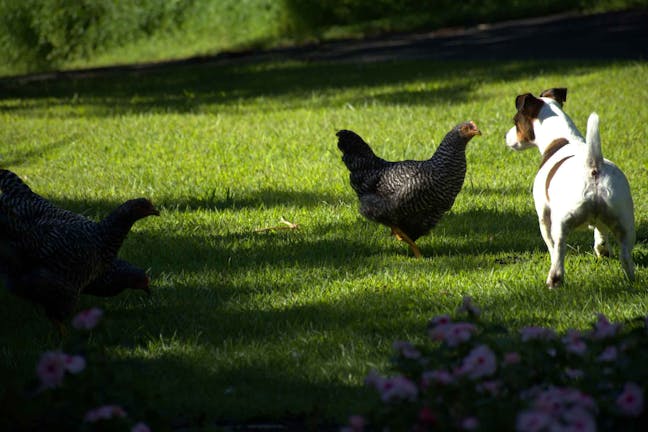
(593, 139)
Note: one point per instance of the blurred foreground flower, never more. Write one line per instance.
(473, 375)
(467, 306)
(393, 389)
(480, 362)
(87, 319)
(604, 329)
(140, 427)
(104, 412)
(53, 365)
(631, 401)
(51, 369)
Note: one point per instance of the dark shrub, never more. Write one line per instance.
(43, 33)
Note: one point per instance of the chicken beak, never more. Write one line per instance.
(476, 130)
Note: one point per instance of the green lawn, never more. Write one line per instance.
(246, 325)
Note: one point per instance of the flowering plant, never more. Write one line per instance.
(72, 391)
(472, 375)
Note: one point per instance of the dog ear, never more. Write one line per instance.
(557, 94)
(528, 105)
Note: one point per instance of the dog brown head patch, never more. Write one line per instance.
(557, 94)
(528, 108)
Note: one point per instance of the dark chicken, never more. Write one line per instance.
(408, 196)
(120, 276)
(28, 207)
(49, 255)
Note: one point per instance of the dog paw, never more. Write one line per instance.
(554, 280)
(601, 251)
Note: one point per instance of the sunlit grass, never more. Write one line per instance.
(247, 325)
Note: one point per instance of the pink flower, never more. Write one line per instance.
(556, 400)
(140, 427)
(436, 376)
(579, 420)
(87, 319)
(453, 334)
(480, 362)
(578, 398)
(469, 423)
(631, 400)
(53, 365)
(406, 349)
(392, 388)
(74, 364)
(468, 307)
(574, 343)
(439, 320)
(609, 354)
(603, 328)
(532, 333)
(511, 358)
(532, 421)
(574, 373)
(397, 388)
(104, 412)
(491, 387)
(549, 401)
(51, 369)
(373, 379)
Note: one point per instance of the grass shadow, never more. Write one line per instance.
(262, 198)
(23, 157)
(343, 245)
(198, 87)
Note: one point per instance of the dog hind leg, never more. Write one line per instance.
(601, 243)
(545, 230)
(626, 243)
(557, 270)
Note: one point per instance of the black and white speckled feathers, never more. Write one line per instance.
(50, 254)
(410, 195)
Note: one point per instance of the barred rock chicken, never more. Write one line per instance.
(408, 196)
(27, 206)
(121, 276)
(50, 254)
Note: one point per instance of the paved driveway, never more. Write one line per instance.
(608, 36)
(620, 35)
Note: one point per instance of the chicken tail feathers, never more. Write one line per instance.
(356, 153)
(350, 143)
(10, 183)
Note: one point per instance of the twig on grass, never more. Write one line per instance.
(287, 226)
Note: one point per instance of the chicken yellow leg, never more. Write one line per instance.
(400, 235)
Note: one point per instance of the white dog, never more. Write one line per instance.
(575, 185)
